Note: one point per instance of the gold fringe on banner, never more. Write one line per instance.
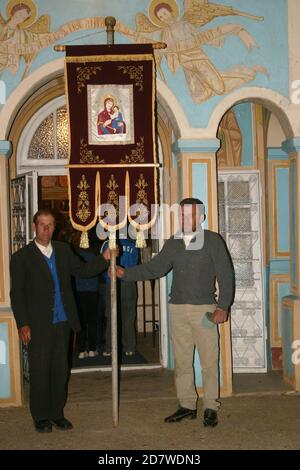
(112, 243)
(140, 240)
(84, 240)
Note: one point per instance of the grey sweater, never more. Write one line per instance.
(194, 271)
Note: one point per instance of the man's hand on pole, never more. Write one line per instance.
(220, 316)
(119, 272)
(106, 253)
(25, 334)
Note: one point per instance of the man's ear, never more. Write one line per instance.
(202, 218)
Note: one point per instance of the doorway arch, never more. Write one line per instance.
(272, 165)
(28, 106)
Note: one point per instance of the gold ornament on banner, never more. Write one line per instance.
(142, 201)
(137, 154)
(141, 197)
(112, 197)
(84, 240)
(83, 203)
(136, 72)
(140, 240)
(83, 74)
(86, 155)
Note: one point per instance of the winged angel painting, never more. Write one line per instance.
(19, 31)
(23, 36)
(184, 43)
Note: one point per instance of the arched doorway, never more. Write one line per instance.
(254, 219)
(40, 141)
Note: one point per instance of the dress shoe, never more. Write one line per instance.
(43, 425)
(180, 414)
(62, 423)
(210, 418)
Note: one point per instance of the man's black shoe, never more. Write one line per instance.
(180, 414)
(62, 423)
(210, 418)
(43, 425)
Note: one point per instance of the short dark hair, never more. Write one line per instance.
(41, 212)
(193, 201)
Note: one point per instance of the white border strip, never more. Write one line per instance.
(108, 368)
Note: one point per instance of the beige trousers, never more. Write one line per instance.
(190, 328)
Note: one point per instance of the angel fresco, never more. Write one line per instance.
(184, 44)
(22, 36)
(21, 29)
(231, 138)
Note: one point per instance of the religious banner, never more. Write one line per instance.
(112, 151)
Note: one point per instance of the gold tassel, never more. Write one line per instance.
(140, 240)
(84, 240)
(112, 243)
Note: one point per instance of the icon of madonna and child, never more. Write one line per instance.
(110, 119)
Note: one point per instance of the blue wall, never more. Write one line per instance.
(287, 342)
(283, 291)
(293, 179)
(283, 209)
(4, 362)
(243, 113)
(270, 35)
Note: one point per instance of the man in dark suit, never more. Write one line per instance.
(44, 308)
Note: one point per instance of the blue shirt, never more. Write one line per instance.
(129, 254)
(59, 313)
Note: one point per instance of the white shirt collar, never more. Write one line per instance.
(46, 250)
(187, 237)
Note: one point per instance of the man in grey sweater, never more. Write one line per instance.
(198, 258)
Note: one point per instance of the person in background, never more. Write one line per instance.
(87, 296)
(129, 256)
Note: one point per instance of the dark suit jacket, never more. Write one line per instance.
(32, 286)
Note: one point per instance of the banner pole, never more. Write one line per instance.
(142, 52)
(155, 45)
(114, 338)
(110, 22)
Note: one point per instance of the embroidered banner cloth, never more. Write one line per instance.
(111, 104)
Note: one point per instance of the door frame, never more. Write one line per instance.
(261, 235)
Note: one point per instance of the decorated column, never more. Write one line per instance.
(10, 376)
(291, 303)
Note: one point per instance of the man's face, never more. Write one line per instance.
(44, 229)
(191, 217)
